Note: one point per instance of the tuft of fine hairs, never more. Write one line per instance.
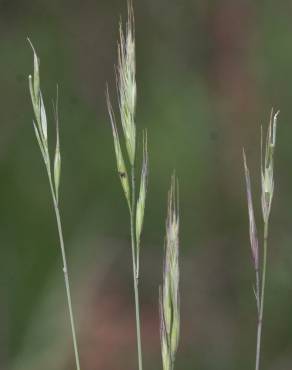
(169, 292)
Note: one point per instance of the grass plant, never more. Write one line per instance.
(127, 91)
(267, 191)
(169, 294)
(53, 172)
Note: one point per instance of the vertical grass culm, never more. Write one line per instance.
(126, 85)
(40, 128)
(169, 298)
(267, 190)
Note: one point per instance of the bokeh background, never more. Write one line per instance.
(208, 74)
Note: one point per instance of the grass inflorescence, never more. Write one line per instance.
(53, 172)
(126, 168)
(267, 192)
(169, 300)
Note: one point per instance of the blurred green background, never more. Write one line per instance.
(208, 74)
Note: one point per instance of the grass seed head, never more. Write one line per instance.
(126, 81)
(169, 294)
(267, 168)
(37, 100)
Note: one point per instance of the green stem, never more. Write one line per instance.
(135, 277)
(261, 312)
(65, 267)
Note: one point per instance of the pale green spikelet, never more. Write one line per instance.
(57, 159)
(40, 126)
(267, 168)
(142, 195)
(126, 81)
(36, 76)
(37, 103)
(169, 293)
(122, 170)
(39, 140)
(252, 224)
(43, 117)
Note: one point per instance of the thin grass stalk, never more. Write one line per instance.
(40, 128)
(261, 312)
(126, 86)
(135, 270)
(65, 271)
(267, 187)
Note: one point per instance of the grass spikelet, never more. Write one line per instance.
(252, 225)
(142, 197)
(57, 159)
(121, 167)
(267, 169)
(169, 293)
(126, 81)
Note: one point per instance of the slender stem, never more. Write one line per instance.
(135, 277)
(65, 268)
(258, 291)
(260, 315)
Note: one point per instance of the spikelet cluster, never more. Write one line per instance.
(267, 177)
(40, 125)
(169, 293)
(126, 80)
(126, 85)
(267, 168)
